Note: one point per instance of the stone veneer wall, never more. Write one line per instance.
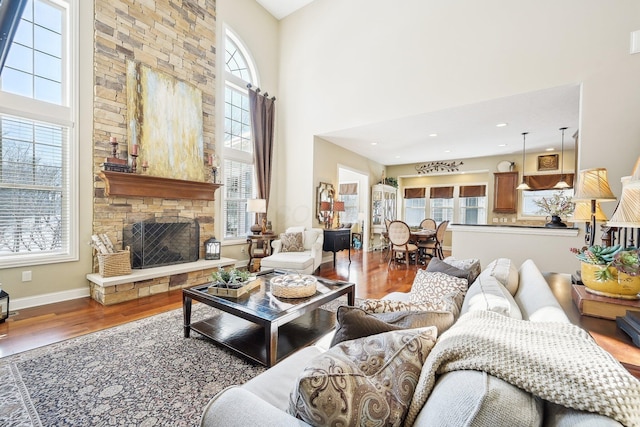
(176, 37)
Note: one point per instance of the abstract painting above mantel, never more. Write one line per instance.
(164, 118)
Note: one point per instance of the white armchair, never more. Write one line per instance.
(306, 261)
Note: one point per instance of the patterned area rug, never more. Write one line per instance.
(143, 373)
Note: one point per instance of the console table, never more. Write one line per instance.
(336, 240)
(605, 332)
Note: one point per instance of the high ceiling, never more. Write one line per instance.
(471, 130)
(282, 8)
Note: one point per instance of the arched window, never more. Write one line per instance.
(238, 170)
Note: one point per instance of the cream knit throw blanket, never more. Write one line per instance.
(556, 361)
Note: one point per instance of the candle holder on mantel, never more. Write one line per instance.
(113, 163)
(134, 158)
(213, 163)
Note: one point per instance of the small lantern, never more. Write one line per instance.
(4, 306)
(212, 249)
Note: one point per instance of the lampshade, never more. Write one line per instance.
(257, 205)
(523, 185)
(593, 185)
(582, 212)
(338, 206)
(627, 213)
(325, 206)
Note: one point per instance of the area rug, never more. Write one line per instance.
(143, 373)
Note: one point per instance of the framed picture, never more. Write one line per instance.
(548, 162)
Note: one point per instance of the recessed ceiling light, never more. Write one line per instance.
(433, 135)
(397, 157)
(549, 149)
(501, 125)
(447, 151)
(502, 145)
(374, 143)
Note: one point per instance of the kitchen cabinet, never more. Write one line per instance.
(505, 195)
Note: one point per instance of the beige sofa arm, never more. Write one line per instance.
(276, 245)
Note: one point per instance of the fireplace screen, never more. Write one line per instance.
(162, 241)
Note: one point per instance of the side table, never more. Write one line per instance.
(259, 246)
(336, 240)
(605, 332)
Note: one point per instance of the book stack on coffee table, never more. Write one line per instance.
(630, 323)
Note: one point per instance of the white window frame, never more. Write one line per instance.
(457, 209)
(529, 193)
(236, 83)
(66, 115)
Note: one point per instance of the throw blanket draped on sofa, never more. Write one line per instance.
(555, 361)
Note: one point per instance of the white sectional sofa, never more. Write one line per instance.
(459, 398)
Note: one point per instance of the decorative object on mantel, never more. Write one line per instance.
(557, 206)
(257, 206)
(212, 249)
(134, 158)
(438, 167)
(594, 187)
(113, 163)
(523, 185)
(214, 164)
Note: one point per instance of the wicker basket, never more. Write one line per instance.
(293, 286)
(115, 264)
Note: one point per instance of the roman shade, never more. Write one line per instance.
(349, 189)
(441, 192)
(547, 182)
(473, 190)
(414, 193)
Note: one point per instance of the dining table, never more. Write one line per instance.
(417, 235)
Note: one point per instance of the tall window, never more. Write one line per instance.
(463, 204)
(37, 139)
(349, 195)
(415, 206)
(239, 174)
(441, 203)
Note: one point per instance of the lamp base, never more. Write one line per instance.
(256, 229)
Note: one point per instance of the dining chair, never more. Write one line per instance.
(399, 234)
(433, 248)
(428, 224)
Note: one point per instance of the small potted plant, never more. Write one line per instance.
(557, 206)
(231, 279)
(610, 270)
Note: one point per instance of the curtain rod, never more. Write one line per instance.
(266, 94)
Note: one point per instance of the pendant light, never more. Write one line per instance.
(562, 184)
(523, 185)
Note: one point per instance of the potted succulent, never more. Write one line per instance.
(557, 206)
(610, 270)
(231, 279)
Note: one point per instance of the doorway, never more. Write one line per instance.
(355, 186)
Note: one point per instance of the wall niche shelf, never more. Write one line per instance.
(137, 185)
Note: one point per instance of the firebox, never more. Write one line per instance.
(162, 241)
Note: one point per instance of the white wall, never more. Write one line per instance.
(345, 63)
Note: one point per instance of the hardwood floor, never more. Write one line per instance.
(38, 326)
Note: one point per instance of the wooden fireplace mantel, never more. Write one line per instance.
(138, 185)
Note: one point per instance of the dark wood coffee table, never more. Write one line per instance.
(262, 327)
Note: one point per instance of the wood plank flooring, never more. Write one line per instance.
(39, 326)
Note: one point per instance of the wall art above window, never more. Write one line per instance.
(438, 167)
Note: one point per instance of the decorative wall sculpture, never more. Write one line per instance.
(438, 167)
(164, 118)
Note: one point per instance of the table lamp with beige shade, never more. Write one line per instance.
(582, 213)
(257, 206)
(627, 213)
(593, 186)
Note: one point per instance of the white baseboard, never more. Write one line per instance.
(34, 301)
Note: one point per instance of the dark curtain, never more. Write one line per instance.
(262, 111)
(547, 182)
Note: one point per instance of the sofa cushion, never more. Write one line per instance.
(295, 261)
(291, 242)
(475, 398)
(353, 322)
(367, 379)
(437, 266)
(309, 238)
(487, 293)
(505, 271)
(439, 291)
(470, 264)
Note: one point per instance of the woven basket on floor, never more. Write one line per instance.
(115, 264)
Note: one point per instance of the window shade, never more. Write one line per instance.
(34, 190)
(441, 192)
(547, 182)
(473, 191)
(414, 193)
(349, 189)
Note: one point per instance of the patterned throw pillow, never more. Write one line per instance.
(439, 291)
(367, 381)
(354, 322)
(470, 264)
(437, 266)
(291, 242)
